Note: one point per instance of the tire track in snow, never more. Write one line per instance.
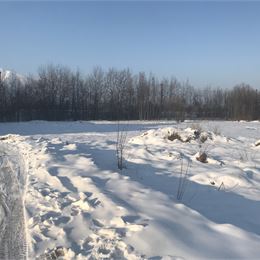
(12, 220)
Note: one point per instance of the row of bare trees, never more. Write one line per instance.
(57, 93)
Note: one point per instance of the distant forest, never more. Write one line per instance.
(58, 93)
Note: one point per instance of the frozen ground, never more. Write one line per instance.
(75, 197)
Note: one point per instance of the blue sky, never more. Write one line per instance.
(208, 43)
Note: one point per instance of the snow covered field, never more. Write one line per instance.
(164, 204)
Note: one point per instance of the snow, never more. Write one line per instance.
(76, 198)
(7, 75)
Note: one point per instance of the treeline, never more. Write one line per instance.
(57, 93)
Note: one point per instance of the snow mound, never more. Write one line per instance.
(187, 135)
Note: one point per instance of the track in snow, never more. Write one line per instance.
(12, 220)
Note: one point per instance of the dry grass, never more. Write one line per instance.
(257, 143)
(174, 136)
(202, 157)
(183, 180)
(203, 138)
(197, 127)
(216, 130)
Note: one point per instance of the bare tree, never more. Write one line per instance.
(58, 93)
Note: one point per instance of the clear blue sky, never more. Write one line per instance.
(208, 43)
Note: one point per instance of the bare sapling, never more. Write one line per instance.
(121, 145)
